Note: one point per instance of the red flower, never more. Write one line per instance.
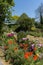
(35, 57)
(35, 48)
(5, 47)
(15, 49)
(25, 48)
(21, 45)
(31, 53)
(10, 41)
(27, 54)
(25, 45)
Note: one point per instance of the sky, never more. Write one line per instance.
(26, 6)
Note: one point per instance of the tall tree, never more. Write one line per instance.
(5, 11)
(25, 22)
(39, 12)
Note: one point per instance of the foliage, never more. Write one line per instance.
(33, 28)
(21, 35)
(39, 13)
(25, 22)
(5, 11)
(15, 17)
(37, 34)
(29, 53)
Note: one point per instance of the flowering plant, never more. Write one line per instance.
(24, 53)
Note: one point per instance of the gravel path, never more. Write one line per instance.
(1, 62)
(40, 39)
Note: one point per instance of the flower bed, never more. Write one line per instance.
(25, 52)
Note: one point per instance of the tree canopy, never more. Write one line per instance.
(15, 17)
(5, 11)
(39, 13)
(25, 22)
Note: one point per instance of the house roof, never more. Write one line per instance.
(10, 22)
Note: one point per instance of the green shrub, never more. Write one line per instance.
(21, 35)
(27, 55)
(35, 34)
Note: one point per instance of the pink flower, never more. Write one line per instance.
(24, 38)
(40, 45)
(10, 34)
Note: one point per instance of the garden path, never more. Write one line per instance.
(40, 39)
(1, 63)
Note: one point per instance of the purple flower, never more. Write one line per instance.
(10, 34)
(32, 45)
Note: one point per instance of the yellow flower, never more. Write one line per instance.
(33, 28)
(38, 55)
